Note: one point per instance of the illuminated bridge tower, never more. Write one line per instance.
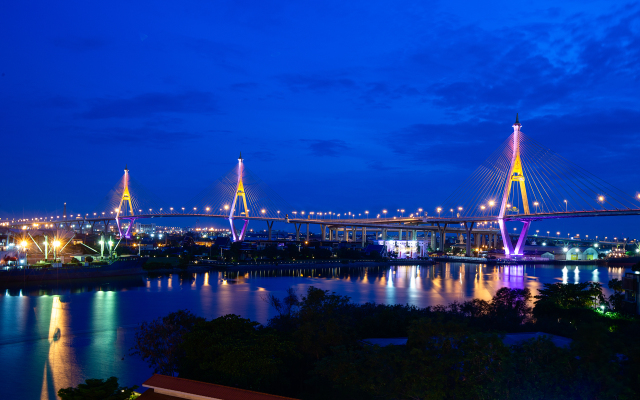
(239, 193)
(122, 212)
(515, 175)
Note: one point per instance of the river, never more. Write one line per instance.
(58, 336)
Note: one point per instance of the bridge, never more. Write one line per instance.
(520, 181)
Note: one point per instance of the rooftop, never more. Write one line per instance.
(162, 387)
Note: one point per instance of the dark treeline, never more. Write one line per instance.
(312, 348)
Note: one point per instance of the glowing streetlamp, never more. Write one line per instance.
(56, 244)
(566, 206)
(24, 249)
(438, 210)
(367, 214)
(102, 247)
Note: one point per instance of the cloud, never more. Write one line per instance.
(326, 148)
(535, 67)
(148, 104)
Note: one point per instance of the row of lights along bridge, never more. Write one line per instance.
(314, 214)
(318, 214)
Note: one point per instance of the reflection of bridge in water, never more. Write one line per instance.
(521, 181)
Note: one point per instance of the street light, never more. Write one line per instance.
(566, 206)
(24, 249)
(438, 210)
(535, 203)
(56, 244)
(367, 214)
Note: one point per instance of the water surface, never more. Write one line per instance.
(57, 336)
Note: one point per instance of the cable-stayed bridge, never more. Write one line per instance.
(520, 181)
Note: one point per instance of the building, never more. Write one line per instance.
(582, 253)
(631, 286)
(406, 248)
(162, 387)
(144, 228)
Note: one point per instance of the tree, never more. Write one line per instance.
(238, 352)
(157, 342)
(567, 296)
(271, 252)
(616, 300)
(323, 254)
(98, 389)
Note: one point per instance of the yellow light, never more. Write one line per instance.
(24, 244)
(56, 243)
(264, 211)
(492, 203)
(601, 198)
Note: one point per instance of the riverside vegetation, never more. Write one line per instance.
(312, 348)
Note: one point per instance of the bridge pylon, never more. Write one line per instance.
(240, 192)
(515, 175)
(121, 211)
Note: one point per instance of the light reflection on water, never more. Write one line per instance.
(61, 335)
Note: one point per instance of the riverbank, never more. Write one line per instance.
(267, 265)
(522, 261)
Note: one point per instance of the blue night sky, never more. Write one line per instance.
(341, 106)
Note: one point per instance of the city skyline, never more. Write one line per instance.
(326, 102)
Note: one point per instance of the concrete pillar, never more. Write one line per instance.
(297, 226)
(364, 236)
(323, 230)
(468, 226)
(307, 231)
(269, 225)
(384, 234)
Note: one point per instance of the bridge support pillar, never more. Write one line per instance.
(307, 231)
(323, 233)
(468, 227)
(297, 226)
(443, 236)
(384, 234)
(238, 237)
(518, 250)
(269, 226)
(364, 236)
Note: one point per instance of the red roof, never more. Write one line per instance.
(179, 387)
